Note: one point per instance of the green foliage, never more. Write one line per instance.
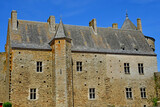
(7, 104)
(154, 100)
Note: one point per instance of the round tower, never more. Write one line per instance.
(151, 42)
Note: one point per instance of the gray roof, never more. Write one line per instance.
(36, 35)
(128, 25)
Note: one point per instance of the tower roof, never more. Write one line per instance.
(60, 31)
(128, 24)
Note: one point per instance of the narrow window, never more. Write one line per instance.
(126, 68)
(33, 93)
(143, 92)
(91, 93)
(39, 66)
(140, 68)
(128, 93)
(79, 66)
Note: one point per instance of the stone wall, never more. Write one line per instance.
(24, 76)
(105, 73)
(2, 77)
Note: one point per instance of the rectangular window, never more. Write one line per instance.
(126, 68)
(91, 93)
(140, 68)
(33, 93)
(143, 92)
(129, 93)
(79, 66)
(39, 66)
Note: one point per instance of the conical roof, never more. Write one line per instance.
(60, 31)
(128, 25)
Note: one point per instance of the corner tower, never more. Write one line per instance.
(61, 48)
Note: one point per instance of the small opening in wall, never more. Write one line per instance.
(97, 71)
(98, 84)
(59, 42)
(44, 81)
(111, 66)
(85, 78)
(47, 85)
(19, 52)
(112, 77)
(120, 65)
(20, 59)
(95, 55)
(110, 60)
(100, 61)
(119, 61)
(20, 74)
(111, 71)
(82, 55)
(145, 106)
(47, 60)
(19, 81)
(86, 71)
(21, 66)
(85, 84)
(98, 77)
(47, 67)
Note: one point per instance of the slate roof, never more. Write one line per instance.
(36, 35)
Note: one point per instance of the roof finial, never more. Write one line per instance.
(126, 14)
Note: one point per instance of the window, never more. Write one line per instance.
(126, 68)
(79, 66)
(33, 93)
(129, 93)
(91, 93)
(143, 92)
(39, 66)
(140, 68)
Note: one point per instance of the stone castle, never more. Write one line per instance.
(56, 65)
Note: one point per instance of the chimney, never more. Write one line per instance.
(93, 24)
(52, 24)
(14, 19)
(139, 25)
(115, 26)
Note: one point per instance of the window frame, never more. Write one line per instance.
(129, 93)
(141, 68)
(39, 66)
(143, 92)
(33, 94)
(126, 68)
(91, 93)
(79, 66)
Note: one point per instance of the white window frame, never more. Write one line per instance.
(39, 66)
(79, 66)
(129, 93)
(143, 92)
(126, 68)
(33, 94)
(92, 94)
(141, 68)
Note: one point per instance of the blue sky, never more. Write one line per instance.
(80, 12)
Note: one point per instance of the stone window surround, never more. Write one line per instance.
(92, 94)
(129, 92)
(143, 92)
(127, 68)
(37, 95)
(141, 68)
(79, 66)
(39, 68)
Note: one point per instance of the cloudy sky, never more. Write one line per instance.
(80, 12)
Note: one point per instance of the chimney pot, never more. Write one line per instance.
(115, 26)
(52, 25)
(139, 25)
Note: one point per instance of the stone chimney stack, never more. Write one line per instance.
(93, 24)
(14, 19)
(115, 26)
(52, 24)
(139, 25)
